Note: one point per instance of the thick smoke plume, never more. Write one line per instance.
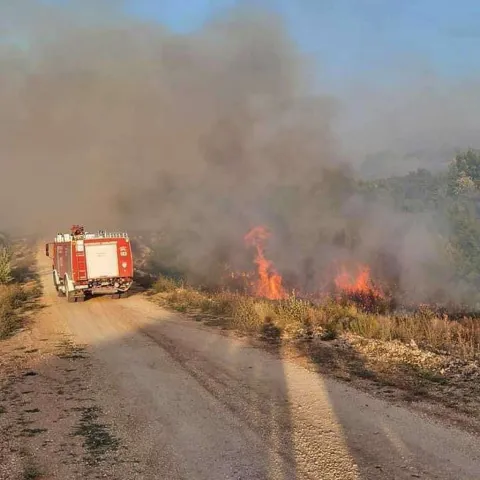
(199, 137)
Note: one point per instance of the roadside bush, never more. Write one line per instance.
(221, 304)
(248, 315)
(165, 284)
(8, 320)
(11, 299)
(185, 299)
(5, 265)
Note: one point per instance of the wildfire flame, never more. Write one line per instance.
(359, 284)
(269, 281)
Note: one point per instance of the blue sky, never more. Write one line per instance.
(377, 42)
(369, 40)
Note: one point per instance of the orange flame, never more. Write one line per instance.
(269, 282)
(355, 285)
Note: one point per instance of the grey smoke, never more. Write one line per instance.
(122, 124)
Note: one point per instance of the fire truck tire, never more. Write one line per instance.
(70, 294)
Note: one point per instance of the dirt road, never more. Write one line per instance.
(142, 393)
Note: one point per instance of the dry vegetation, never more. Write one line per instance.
(12, 298)
(412, 356)
(296, 318)
(19, 286)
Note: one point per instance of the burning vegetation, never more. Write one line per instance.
(359, 288)
(269, 282)
(357, 284)
(343, 282)
(258, 301)
(352, 283)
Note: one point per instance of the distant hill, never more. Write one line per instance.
(386, 164)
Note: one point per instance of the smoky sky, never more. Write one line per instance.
(121, 124)
(93, 114)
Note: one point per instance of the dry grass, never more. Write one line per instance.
(165, 284)
(19, 286)
(5, 265)
(12, 297)
(296, 318)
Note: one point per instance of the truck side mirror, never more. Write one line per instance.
(47, 250)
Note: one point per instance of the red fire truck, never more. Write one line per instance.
(85, 264)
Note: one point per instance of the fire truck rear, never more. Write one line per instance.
(86, 264)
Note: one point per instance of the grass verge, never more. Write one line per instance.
(296, 318)
(20, 287)
(12, 299)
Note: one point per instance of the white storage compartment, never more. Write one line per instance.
(102, 260)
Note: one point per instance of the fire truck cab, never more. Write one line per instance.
(85, 264)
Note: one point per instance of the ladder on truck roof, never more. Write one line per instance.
(78, 232)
